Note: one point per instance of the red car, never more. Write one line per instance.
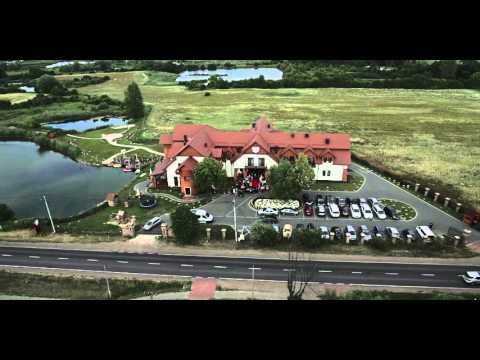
(308, 210)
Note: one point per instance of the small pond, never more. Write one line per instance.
(231, 74)
(84, 125)
(28, 173)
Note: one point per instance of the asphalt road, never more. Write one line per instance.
(348, 273)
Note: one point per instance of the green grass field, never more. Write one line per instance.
(16, 98)
(431, 134)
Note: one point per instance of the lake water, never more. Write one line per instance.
(26, 174)
(231, 74)
(84, 125)
(64, 63)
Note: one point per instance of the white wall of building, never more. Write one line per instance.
(335, 171)
(242, 161)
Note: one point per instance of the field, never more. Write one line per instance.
(16, 98)
(429, 134)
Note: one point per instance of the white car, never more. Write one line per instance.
(392, 233)
(378, 211)
(365, 232)
(267, 212)
(288, 211)
(425, 233)
(355, 210)
(324, 233)
(350, 230)
(333, 210)
(366, 211)
(471, 277)
(152, 223)
(203, 216)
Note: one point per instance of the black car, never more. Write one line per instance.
(345, 211)
(269, 220)
(378, 231)
(299, 226)
(355, 201)
(348, 201)
(341, 202)
(391, 213)
(338, 233)
(408, 234)
(310, 226)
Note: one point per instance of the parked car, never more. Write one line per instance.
(425, 234)
(355, 201)
(308, 210)
(150, 224)
(408, 234)
(366, 211)
(287, 231)
(203, 216)
(362, 201)
(392, 232)
(391, 213)
(355, 211)
(324, 233)
(299, 226)
(348, 201)
(378, 231)
(372, 202)
(329, 199)
(269, 220)
(341, 202)
(288, 211)
(320, 199)
(363, 229)
(321, 210)
(345, 211)
(333, 210)
(338, 233)
(310, 226)
(378, 211)
(471, 277)
(267, 212)
(350, 230)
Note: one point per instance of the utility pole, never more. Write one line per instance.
(109, 293)
(49, 215)
(235, 214)
(253, 280)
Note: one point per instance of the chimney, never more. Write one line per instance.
(185, 139)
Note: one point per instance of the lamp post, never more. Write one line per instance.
(49, 215)
(235, 214)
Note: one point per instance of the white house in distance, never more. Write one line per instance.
(249, 151)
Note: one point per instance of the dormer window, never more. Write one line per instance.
(327, 141)
(307, 136)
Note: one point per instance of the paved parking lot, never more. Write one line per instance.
(375, 186)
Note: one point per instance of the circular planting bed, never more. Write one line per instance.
(405, 211)
(262, 203)
(148, 202)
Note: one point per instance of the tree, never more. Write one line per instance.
(287, 181)
(445, 69)
(185, 226)
(46, 83)
(6, 213)
(104, 65)
(134, 102)
(76, 67)
(209, 172)
(3, 70)
(263, 235)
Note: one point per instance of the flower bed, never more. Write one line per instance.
(262, 203)
(405, 211)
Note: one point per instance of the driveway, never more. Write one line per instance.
(375, 186)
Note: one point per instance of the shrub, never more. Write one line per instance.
(264, 235)
(6, 214)
(5, 104)
(308, 239)
(185, 226)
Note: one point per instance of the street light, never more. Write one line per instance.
(235, 213)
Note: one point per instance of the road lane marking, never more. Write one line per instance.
(392, 274)
(220, 267)
(289, 270)
(325, 271)
(186, 265)
(34, 257)
(153, 263)
(122, 262)
(63, 259)
(92, 260)
(430, 275)
(6, 255)
(356, 272)
(254, 268)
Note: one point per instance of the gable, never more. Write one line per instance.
(189, 151)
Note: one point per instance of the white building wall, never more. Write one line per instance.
(242, 161)
(172, 169)
(336, 171)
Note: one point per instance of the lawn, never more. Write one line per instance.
(93, 150)
(354, 183)
(16, 98)
(82, 288)
(405, 211)
(414, 132)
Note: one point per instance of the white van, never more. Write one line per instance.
(425, 233)
(203, 216)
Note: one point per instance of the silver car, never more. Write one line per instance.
(471, 277)
(289, 211)
(152, 223)
(267, 212)
(378, 211)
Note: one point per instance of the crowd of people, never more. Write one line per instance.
(251, 183)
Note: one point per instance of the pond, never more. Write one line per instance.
(84, 125)
(64, 63)
(231, 74)
(27, 174)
